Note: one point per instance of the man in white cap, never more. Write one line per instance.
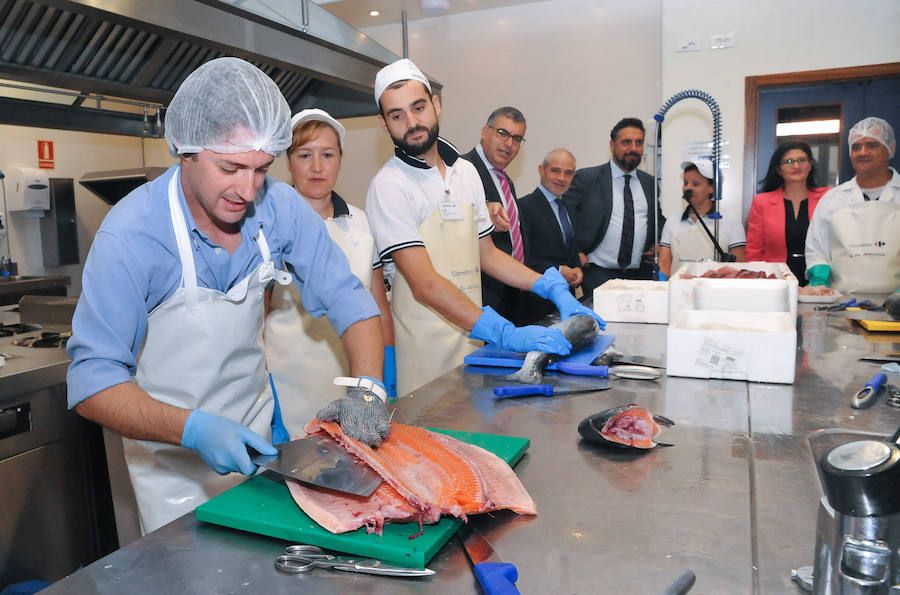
(427, 211)
(853, 242)
(166, 342)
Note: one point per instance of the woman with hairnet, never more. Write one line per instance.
(303, 353)
(166, 342)
(853, 242)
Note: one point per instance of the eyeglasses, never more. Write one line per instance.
(798, 161)
(504, 134)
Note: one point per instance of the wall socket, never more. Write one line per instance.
(688, 45)
(720, 42)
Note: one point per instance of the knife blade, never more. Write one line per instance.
(320, 461)
(548, 390)
(495, 576)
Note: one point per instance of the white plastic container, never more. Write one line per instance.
(755, 295)
(622, 300)
(754, 346)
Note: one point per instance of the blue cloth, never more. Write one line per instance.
(390, 372)
(279, 431)
(133, 266)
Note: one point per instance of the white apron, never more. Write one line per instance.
(203, 350)
(303, 353)
(692, 245)
(865, 245)
(427, 344)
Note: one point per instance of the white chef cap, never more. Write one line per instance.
(228, 106)
(873, 128)
(322, 116)
(401, 70)
(703, 165)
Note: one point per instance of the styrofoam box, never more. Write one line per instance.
(758, 295)
(622, 300)
(754, 346)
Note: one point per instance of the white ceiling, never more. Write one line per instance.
(356, 12)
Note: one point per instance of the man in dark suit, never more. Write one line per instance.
(547, 227)
(501, 138)
(614, 205)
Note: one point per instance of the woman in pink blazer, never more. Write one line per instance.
(780, 215)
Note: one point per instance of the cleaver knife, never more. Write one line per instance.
(320, 461)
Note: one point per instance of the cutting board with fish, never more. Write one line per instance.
(490, 355)
(263, 505)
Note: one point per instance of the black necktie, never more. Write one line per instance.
(627, 227)
(568, 233)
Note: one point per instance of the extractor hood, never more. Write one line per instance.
(113, 185)
(141, 50)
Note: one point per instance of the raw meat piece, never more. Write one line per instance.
(729, 272)
(339, 512)
(426, 474)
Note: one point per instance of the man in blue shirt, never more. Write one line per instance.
(167, 336)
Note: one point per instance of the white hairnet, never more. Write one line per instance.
(873, 128)
(401, 70)
(322, 116)
(228, 106)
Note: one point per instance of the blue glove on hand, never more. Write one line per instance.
(223, 443)
(390, 372)
(495, 329)
(552, 286)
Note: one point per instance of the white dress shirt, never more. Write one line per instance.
(606, 254)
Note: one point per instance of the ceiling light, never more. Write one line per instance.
(806, 128)
(374, 13)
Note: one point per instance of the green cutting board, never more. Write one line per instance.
(263, 505)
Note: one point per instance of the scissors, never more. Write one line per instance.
(298, 559)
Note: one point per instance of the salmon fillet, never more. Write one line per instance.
(425, 475)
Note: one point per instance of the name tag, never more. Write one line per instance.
(450, 211)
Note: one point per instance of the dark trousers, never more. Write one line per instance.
(595, 276)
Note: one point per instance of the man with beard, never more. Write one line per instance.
(501, 137)
(427, 212)
(613, 205)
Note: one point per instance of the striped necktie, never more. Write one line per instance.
(518, 250)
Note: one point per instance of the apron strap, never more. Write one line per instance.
(282, 277)
(179, 224)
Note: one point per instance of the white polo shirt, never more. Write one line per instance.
(406, 191)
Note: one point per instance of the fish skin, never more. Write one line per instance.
(595, 426)
(579, 330)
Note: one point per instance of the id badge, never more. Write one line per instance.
(450, 211)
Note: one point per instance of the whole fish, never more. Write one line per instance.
(624, 427)
(580, 330)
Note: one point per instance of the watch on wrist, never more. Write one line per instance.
(366, 384)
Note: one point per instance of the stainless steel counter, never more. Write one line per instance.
(734, 500)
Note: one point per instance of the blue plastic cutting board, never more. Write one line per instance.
(489, 355)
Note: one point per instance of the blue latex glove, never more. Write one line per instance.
(495, 329)
(818, 275)
(223, 443)
(552, 286)
(390, 372)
